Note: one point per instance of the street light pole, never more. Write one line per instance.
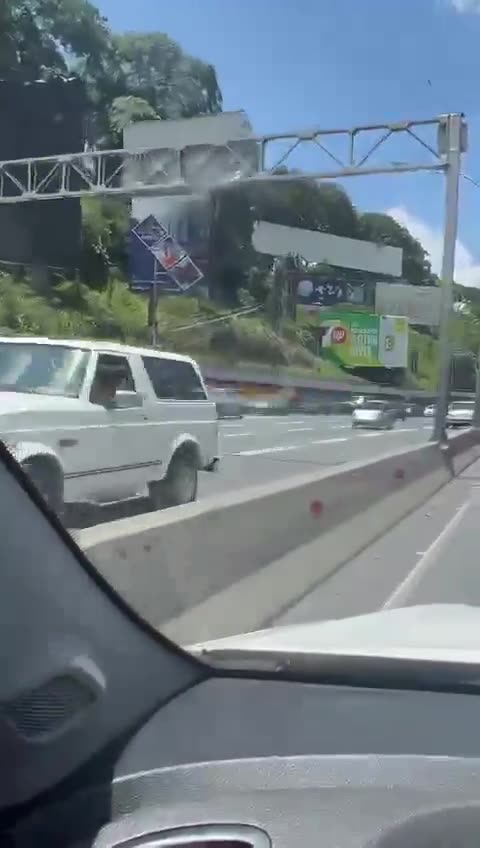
(452, 141)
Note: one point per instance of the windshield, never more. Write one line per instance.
(461, 405)
(373, 404)
(236, 239)
(47, 369)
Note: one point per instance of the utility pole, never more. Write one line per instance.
(278, 295)
(452, 144)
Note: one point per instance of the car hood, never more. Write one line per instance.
(448, 632)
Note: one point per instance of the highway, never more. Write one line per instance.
(259, 449)
(429, 557)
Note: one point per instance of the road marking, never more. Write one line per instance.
(278, 418)
(404, 588)
(370, 435)
(235, 435)
(224, 424)
(300, 429)
(269, 450)
(329, 441)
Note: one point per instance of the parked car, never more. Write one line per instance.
(460, 413)
(101, 422)
(430, 410)
(228, 403)
(374, 414)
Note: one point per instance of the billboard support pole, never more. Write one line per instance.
(153, 314)
(453, 150)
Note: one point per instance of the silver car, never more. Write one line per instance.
(375, 415)
(460, 413)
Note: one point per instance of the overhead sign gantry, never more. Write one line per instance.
(198, 168)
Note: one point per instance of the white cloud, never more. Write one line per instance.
(463, 6)
(467, 270)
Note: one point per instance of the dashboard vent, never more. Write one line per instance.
(46, 710)
(202, 836)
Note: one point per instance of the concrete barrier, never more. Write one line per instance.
(220, 566)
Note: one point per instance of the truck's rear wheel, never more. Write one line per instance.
(47, 480)
(180, 485)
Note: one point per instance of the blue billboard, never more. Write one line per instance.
(156, 258)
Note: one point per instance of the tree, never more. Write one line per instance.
(155, 68)
(380, 228)
(39, 38)
(104, 238)
(128, 110)
(303, 203)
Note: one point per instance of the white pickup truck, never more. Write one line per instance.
(101, 422)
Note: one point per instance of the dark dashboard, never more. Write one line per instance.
(234, 763)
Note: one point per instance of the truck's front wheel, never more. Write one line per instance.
(180, 485)
(47, 480)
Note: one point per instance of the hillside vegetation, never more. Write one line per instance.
(186, 325)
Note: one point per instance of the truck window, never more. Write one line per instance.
(113, 374)
(173, 380)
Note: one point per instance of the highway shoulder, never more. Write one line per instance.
(386, 572)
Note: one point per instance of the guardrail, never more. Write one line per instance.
(279, 378)
(221, 566)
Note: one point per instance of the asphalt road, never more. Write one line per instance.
(429, 557)
(259, 449)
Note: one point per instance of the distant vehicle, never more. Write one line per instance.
(460, 413)
(228, 403)
(429, 410)
(357, 400)
(375, 415)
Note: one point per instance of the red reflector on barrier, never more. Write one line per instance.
(316, 508)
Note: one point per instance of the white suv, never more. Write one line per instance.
(101, 422)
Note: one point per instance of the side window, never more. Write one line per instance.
(113, 374)
(173, 380)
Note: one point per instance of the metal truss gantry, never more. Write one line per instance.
(202, 167)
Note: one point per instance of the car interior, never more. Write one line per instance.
(110, 735)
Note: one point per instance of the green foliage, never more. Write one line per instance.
(157, 70)
(383, 229)
(104, 238)
(128, 110)
(36, 35)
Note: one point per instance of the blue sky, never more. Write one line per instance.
(333, 63)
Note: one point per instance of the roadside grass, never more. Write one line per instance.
(187, 325)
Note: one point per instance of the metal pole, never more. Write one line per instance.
(453, 132)
(152, 314)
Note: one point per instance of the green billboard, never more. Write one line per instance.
(360, 339)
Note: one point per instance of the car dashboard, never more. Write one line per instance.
(252, 763)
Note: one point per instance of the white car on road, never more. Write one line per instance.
(101, 422)
(460, 413)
